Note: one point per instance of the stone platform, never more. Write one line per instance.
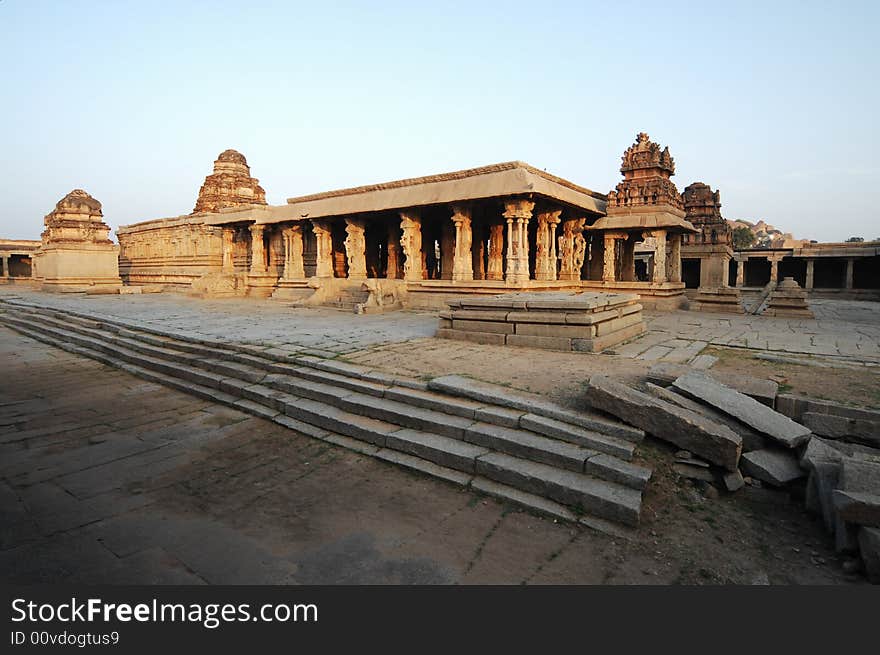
(718, 299)
(585, 322)
(788, 300)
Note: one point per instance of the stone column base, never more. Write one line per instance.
(261, 285)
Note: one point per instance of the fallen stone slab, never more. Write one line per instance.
(857, 507)
(869, 546)
(825, 478)
(687, 470)
(819, 450)
(773, 466)
(752, 440)
(764, 391)
(859, 475)
(841, 427)
(715, 443)
(748, 410)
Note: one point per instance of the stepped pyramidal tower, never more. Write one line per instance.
(230, 185)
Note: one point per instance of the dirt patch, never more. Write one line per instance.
(851, 386)
(557, 375)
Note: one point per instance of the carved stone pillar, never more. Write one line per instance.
(294, 268)
(675, 259)
(518, 212)
(478, 252)
(463, 263)
(572, 249)
(811, 274)
(740, 272)
(609, 256)
(393, 248)
(324, 248)
(849, 273)
(228, 245)
(545, 245)
(258, 250)
(4, 260)
(495, 268)
(411, 244)
(355, 249)
(659, 257)
(774, 270)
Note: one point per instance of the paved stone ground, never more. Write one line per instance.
(842, 329)
(105, 478)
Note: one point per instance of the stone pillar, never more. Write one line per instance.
(659, 257)
(324, 249)
(545, 245)
(675, 260)
(228, 250)
(294, 268)
(774, 270)
(518, 212)
(495, 268)
(849, 273)
(5, 262)
(478, 253)
(740, 272)
(572, 249)
(463, 262)
(411, 244)
(393, 250)
(258, 250)
(608, 257)
(810, 274)
(355, 249)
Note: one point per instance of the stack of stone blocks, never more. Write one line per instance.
(718, 299)
(788, 300)
(567, 321)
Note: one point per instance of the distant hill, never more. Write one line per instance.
(768, 236)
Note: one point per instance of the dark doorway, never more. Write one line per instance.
(690, 273)
(731, 273)
(796, 268)
(829, 273)
(757, 272)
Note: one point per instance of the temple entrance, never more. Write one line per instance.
(690, 273)
(866, 273)
(757, 272)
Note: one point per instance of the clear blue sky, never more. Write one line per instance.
(773, 103)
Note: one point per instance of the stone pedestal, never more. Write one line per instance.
(567, 321)
(788, 300)
(719, 299)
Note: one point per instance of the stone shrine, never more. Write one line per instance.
(230, 185)
(76, 253)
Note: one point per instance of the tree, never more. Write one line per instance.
(743, 238)
(855, 240)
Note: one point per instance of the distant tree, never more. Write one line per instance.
(743, 237)
(855, 240)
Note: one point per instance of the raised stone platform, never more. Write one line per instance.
(788, 300)
(718, 299)
(579, 321)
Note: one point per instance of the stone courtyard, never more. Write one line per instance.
(110, 478)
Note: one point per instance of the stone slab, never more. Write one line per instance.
(859, 475)
(494, 327)
(773, 466)
(841, 427)
(486, 338)
(686, 429)
(748, 410)
(440, 450)
(546, 343)
(764, 391)
(556, 330)
(857, 507)
(733, 481)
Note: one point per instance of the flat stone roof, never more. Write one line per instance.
(495, 181)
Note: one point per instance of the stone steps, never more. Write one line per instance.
(465, 441)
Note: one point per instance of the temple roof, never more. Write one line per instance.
(496, 181)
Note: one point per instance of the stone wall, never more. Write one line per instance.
(169, 251)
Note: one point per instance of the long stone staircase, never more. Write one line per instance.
(567, 464)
